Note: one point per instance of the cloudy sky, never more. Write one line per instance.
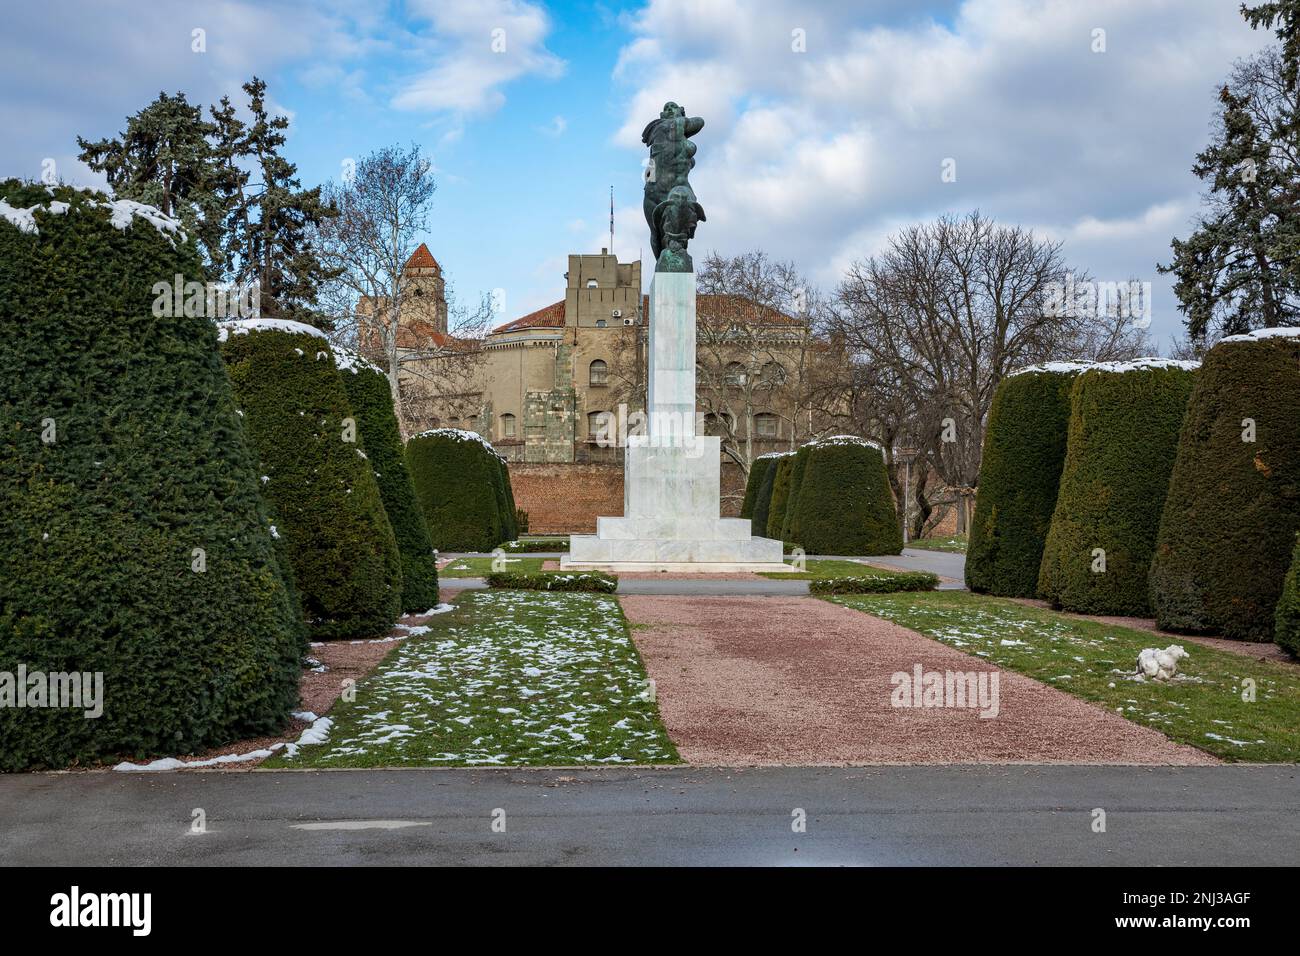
(828, 124)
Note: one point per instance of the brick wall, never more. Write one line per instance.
(566, 497)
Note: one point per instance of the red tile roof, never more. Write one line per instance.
(550, 317)
(712, 309)
(422, 258)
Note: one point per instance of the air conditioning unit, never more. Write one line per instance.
(617, 313)
(629, 321)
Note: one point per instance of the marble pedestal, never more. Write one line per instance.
(672, 477)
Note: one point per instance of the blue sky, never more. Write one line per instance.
(826, 124)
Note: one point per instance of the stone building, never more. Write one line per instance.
(541, 387)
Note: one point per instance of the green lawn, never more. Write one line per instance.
(482, 567)
(953, 542)
(831, 569)
(514, 678)
(1095, 661)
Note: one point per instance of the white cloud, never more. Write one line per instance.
(818, 156)
(478, 46)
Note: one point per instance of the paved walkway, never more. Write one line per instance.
(752, 681)
(1185, 816)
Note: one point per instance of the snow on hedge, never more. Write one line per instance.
(459, 434)
(844, 440)
(349, 361)
(1258, 334)
(1060, 368)
(774, 454)
(1132, 365)
(246, 326)
(122, 212)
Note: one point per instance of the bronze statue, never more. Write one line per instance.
(671, 209)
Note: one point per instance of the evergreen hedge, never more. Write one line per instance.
(121, 454)
(380, 437)
(790, 527)
(845, 504)
(1286, 630)
(1024, 451)
(780, 496)
(457, 478)
(597, 581)
(1124, 424)
(319, 483)
(875, 583)
(1226, 536)
(757, 470)
(512, 510)
(763, 497)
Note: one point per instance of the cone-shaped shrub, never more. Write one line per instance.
(133, 542)
(1234, 503)
(790, 527)
(763, 496)
(757, 470)
(380, 437)
(506, 498)
(1024, 450)
(780, 496)
(457, 478)
(1124, 424)
(1287, 616)
(845, 505)
(316, 478)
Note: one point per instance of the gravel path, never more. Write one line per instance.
(758, 681)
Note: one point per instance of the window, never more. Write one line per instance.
(507, 425)
(592, 284)
(718, 423)
(773, 373)
(598, 373)
(600, 323)
(734, 375)
(766, 425)
(600, 427)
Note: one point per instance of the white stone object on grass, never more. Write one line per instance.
(1156, 664)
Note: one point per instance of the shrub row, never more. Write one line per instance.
(1117, 463)
(133, 542)
(596, 581)
(875, 584)
(463, 488)
(380, 438)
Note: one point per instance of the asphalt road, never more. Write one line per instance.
(1202, 816)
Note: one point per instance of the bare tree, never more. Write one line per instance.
(383, 210)
(934, 322)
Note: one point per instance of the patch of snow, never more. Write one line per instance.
(1057, 368)
(348, 360)
(774, 454)
(1150, 362)
(275, 533)
(246, 326)
(1260, 334)
(845, 440)
(459, 434)
(21, 219)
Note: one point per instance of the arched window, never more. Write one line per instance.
(600, 427)
(767, 425)
(592, 284)
(734, 375)
(773, 373)
(507, 425)
(598, 373)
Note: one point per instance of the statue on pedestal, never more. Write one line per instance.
(671, 209)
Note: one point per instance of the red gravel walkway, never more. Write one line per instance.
(747, 681)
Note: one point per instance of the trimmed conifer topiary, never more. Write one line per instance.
(790, 527)
(506, 500)
(318, 481)
(1113, 484)
(780, 496)
(757, 470)
(134, 547)
(457, 478)
(1286, 630)
(1024, 451)
(763, 496)
(845, 504)
(1228, 528)
(380, 437)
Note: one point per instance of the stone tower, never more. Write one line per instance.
(425, 295)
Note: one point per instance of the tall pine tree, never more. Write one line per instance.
(1240, 269)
